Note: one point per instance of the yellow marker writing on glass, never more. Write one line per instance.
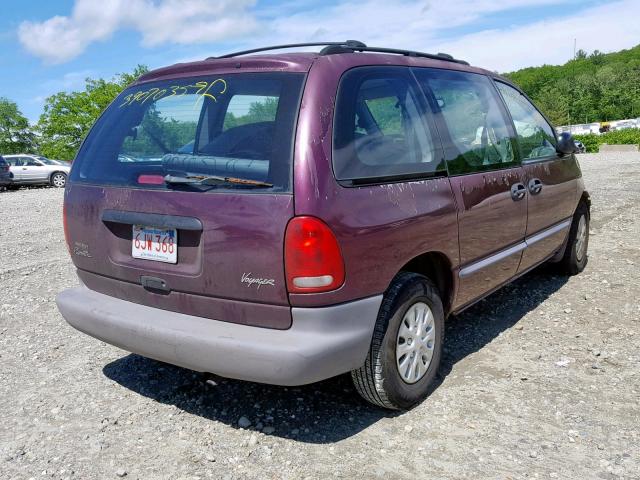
(200, 89)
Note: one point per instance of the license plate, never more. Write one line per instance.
(157, 244)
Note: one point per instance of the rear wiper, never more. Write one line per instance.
(213, 180)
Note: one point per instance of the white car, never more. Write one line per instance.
(37, 170)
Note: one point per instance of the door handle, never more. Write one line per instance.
(535, 186)
(518, 191)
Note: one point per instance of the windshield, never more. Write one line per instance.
(238, 125)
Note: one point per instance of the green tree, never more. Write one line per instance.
(15, 134)
(591, 88)
(67, 117)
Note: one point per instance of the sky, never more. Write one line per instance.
(47, 46)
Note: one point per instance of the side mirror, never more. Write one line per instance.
(566, 145)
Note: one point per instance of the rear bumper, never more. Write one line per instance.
(321, 343)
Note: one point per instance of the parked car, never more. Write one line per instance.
(580, 148)
(333, 209)
(37, 170)
(5, 174)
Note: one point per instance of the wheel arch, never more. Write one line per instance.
(438, 268)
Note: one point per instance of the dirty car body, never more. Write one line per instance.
(261, 217)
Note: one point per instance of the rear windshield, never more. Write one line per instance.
(237, 126)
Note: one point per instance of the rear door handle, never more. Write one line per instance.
(535, 186)
(518, 191)
(154, 284)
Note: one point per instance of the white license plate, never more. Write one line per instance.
(158, 244)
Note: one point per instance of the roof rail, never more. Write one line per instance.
(349, 46)
(333, 49)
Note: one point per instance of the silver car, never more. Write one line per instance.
(37, 170)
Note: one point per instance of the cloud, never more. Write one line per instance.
(464, 28)
(62, 38)
(436, 26)
(607, 27)
(399, 23)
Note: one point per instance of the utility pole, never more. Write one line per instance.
(571, 98)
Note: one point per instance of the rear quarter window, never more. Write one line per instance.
(382, 129)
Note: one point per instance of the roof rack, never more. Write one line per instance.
(333, 49)
(348, 43)
(349, 46)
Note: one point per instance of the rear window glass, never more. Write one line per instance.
(183, 134)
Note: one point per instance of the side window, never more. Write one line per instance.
(245, 109)
(31, 162)
(168, 125)
(479, 137)
(380, 128)
(14, 161)
(386, 115)
(535, 135)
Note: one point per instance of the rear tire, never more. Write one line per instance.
(391, 378)
(58, 180)
(576, 252)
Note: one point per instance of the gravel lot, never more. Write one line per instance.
(540, 380)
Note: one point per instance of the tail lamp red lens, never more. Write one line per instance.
(312, 257)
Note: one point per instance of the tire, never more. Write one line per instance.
(379, 380)
(576, 252)
(58, 180)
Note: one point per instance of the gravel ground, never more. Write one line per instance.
(540, 380)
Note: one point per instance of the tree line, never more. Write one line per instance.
(592, 87)
(65, 120)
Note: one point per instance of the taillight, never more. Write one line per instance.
(312, 257)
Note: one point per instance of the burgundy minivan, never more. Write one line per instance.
(287, 218)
